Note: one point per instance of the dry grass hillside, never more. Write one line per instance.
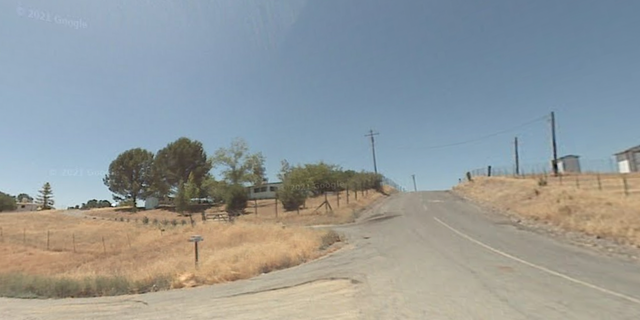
(577, 203)
(108, 252)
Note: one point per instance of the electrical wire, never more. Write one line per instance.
(482, 137)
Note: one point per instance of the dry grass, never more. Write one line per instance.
(607, 213)
(125, 213)
(142, 253)
(138, 257)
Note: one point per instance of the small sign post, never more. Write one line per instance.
(195, 239)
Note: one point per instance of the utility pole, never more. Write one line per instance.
(554, 144)
(373, 148)
(414, 183)
(517, 158)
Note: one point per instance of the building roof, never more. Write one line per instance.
(265, 184)
(568, 156)
(633, 149)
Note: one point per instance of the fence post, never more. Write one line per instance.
(325, 203)
(255, 205)
(104, 246)
(626, 185)
(48, 236)
(347, 195)
(599, 182)
(489, 171)
(578, 181)
(276, 201)
(338, 198)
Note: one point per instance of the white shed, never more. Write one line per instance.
(629, 160)
(569, 164)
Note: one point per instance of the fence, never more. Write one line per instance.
(595, 175)
(605, 166)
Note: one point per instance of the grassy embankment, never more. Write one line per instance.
(597, 206)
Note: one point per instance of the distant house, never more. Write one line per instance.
(27, 206)
(629, 160)
(569, 164)
(265, 191)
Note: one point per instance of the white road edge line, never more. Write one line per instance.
(541, 268)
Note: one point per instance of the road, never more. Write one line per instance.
(427, 255)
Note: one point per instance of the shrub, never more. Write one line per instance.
(330, 238)
(155, 221)
(174, 222)
(145, 220)
(291, 198)
(542, 181)
(236, 199)
(184, 222)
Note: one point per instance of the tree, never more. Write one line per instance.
(240, 167)
(294, 190)
(92, 204)
(236, 199)
(45, 197)
(291, 196)
(23, 197)
(182, 199)
(214, 189)
(130, 175)
(192, 190)
(7, 202)
(104, 204)
(174, 163)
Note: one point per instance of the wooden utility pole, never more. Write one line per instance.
(517, 157)
(554, 164)
(373, 148)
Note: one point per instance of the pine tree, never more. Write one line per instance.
(45, 197)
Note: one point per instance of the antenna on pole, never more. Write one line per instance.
(373, 148)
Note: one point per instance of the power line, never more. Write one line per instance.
(483, 137)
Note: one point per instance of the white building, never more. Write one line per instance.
(569, 164)
(629, 160)
(265, 191)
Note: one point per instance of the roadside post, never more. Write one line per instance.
(195, 239)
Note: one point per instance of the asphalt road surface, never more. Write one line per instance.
(426, 255)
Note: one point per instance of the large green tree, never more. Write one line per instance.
(130, 175)
(45, 197)
(175, 162)
(238, 166)
(7, 202)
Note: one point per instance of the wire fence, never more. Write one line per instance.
(606, 166)
(388, 182)
(595, 175)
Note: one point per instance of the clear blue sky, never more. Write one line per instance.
(305, 81)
